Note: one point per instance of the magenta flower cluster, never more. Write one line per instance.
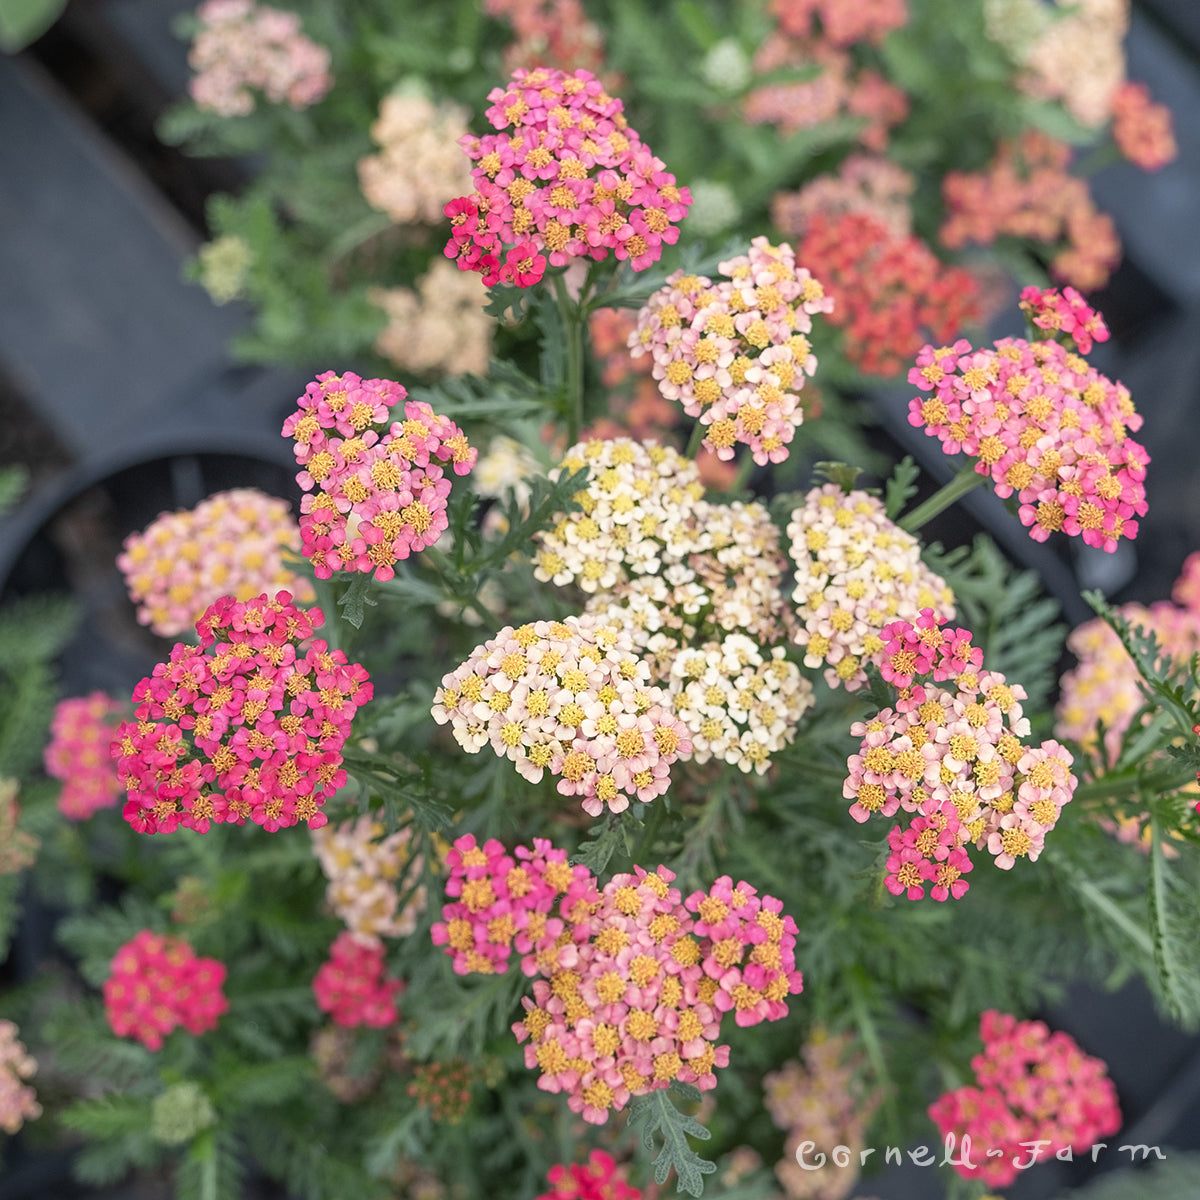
(564, 177)
(377, 488)
(78, 754)
(351, 986)
(248, 725)
(1066, 314)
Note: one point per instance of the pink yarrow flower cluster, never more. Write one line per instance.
(1032, 1087)
(843, 22)
(18, 1101)
(568, 697)
(1041, 424)
(351, 985)
(631, 981)
(953, 760)
(735, 353)
(248, 725)
(1142, 129)
(243, 48)
(599, 1179)
(158, 983)
(377, 487)
(1066, 315)
(229, 545)
(78, 754)
(564, 177)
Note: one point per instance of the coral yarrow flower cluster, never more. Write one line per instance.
(18, 1101)
(377, 486)
(158, 983)
(351, 986)
(631, 982)
(564, 177)
(735, 353)
(856, 572)
(1043, 425)
(228, 545)
(249, 725)
(569, 697)
(953, 760)
(81, 732)
(1032, 1087)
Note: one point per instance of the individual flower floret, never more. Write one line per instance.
(634, 504)
(351, 985)
(1032, 1087)
(378, 488)
(229, 545)
(18, 1101)
(158, 983)
(248, 725)
(564, 177)
(18, 849)
(243, 47)
(735, 353)
(1068, 314)
(367, 873)
(568, 697)
(856, 571)
(599, 1179)
(1041, 424)
(78, 754)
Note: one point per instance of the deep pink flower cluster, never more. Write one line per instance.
(1044, 425)
(564, 177)
(734, 353)
(599, 1179)
(351, 985)
(631, 983)
(377, 487)
(158, 983)
(249, 724)
(1067, 314)
(954, 760)
(1031, 1086)
(78, 754)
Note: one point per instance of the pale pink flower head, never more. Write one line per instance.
(81, 732)
(18, 1101)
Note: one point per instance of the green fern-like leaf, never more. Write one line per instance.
(658, 1120)
(212, 1169)
(901, 487)
(108, 1117)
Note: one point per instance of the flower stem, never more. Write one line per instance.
(966, 479)
(693, 446)
(572, 319)
(745, 470)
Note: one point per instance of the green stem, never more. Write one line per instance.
(572, 319)
(693, 446)
(650, 831)
(966, 480)
(745, 470)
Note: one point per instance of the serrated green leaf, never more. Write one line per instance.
(353, 600)
(657, 1119)
(901, 486)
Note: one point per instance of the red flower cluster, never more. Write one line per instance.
(80, 734)
(1141, 128)
(157, 983)
(1069, 315)
(633, 982)
(249, 724)
(1044, 425)
(1031, 1086)
(887, 290)
(351, 986)
(564, 176)
(600, 1179)
(377, 487)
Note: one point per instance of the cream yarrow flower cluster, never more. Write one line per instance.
(856, 571)
(635, 502)
(18, 1101)
(735, 353)
(569, 697)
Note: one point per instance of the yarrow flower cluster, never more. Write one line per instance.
(18, 849)
(1044, 425)
(735, 353)
(1031, 1086)
(843, 22)
(81, 732)
(633, 981)
(1141, 128)
(864, 183)
(367, 872)
(564, 177)
(599, 1179)
(1067, 315)
(820, 1099)
(550, 33)
(568, 697)
(954, 760)
(248, 725)
(243, 48)
(159, 983)
(377, 486)
(18, 1101)
(634, 504)
(351, 985)
(856, 572)
(228, 545)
